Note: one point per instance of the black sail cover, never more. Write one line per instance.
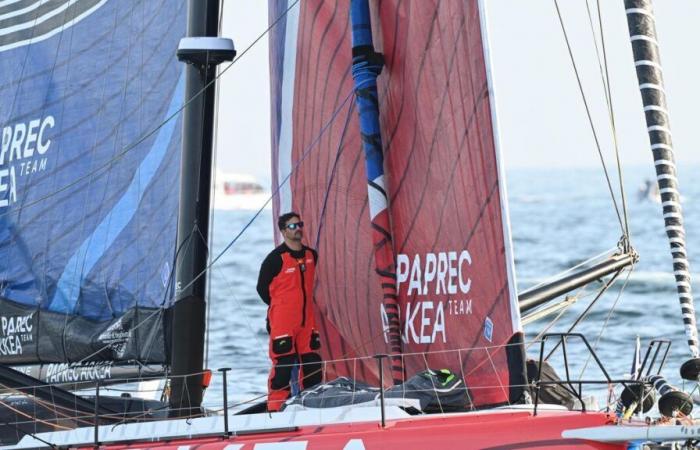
(88, 181)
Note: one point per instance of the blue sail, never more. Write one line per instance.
(89, 168)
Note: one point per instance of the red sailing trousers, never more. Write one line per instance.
(291, 344)
(293, 336)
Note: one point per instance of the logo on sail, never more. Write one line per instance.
(437, 286)
(115, 337)
(27, 22)
(15, 331)
(23, 149)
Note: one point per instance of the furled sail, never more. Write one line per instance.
(457, 298)
(88, 205)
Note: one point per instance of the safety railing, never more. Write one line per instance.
(472, 363)
(655, 347)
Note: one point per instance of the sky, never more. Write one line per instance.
(542, 121)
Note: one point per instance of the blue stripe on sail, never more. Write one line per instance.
(94, 247)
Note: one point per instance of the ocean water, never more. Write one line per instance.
(559, 218)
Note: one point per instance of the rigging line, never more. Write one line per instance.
(607, 319)
(58, 411)
(556, 319)
(580, 295)
(571, 269)
(212, 199)
(588, 114)
(585, 312)
(548, 327)
(188, 240)
(611, 112)
(372, 358)
(33, 419)
(306, 153)
(198, 174)
(262, 345)
(333, 172)
(185, 245)
(33, 435)
(147, 135)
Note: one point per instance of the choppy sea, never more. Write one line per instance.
(559, 218)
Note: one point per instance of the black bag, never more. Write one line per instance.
(434, 391)
(555, 394)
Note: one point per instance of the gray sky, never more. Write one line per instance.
(542, 119)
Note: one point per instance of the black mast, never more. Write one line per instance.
(199, 50)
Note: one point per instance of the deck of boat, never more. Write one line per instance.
(349, 428)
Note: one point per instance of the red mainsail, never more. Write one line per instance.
(446, 199)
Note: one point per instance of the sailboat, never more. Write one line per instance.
(234, 191)
(416, 273)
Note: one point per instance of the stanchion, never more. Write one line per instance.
(380, 359)
(223, 371)
(97, 415)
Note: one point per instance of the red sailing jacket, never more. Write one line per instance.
(286, 280)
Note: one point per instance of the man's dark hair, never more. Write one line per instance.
(284, 218)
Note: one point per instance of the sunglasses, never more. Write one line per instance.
(294, 226)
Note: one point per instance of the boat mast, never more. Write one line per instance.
(366, 66)
(188, 312)
(645, 48)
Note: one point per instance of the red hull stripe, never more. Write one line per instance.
(511, 430)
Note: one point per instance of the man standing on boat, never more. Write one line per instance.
(286, 284)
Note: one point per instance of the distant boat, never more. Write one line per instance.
(649, 192)
(238, 191)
